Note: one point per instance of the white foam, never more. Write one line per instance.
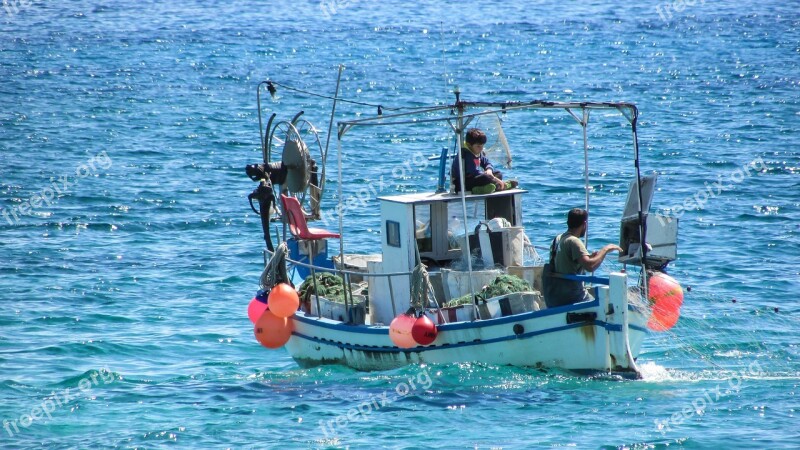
(653, 372)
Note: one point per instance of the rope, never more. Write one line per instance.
(275, 270)
(420, 287)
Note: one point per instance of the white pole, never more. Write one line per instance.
(466, 250)
(642, 219)
(585, 124)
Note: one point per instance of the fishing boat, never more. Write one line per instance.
(439, 245)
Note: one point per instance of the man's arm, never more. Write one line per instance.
(591, 262)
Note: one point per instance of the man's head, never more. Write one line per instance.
(475, 139)
(577, 218)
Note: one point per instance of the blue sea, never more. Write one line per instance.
(129, 254)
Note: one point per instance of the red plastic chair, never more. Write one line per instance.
(297, 221)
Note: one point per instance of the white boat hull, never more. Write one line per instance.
(588, 336)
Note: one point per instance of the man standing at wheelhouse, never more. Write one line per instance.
(568, 256)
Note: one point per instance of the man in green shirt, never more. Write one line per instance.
(569, 256)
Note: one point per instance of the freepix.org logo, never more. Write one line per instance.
(59, 187)
(13, 7)
(332, 7)
(665, 10)
(710, 191)
(360, 413)
(57, 400)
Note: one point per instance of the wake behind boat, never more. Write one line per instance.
(427, 294)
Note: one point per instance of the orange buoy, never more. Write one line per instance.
(400, 331)
(273, 331)
(283, 300)
(424, 330)
(666, 296)
(256, 308)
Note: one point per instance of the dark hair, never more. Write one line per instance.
(577, 217)
(475, 136)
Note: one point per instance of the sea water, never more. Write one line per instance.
(128, 253)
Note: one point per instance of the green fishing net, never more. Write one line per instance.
(329, 286)
(502, 285)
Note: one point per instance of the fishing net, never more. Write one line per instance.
(328, 286)
(502, 285)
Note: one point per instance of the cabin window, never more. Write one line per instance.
(500, 207)
(423, 231)
(393, 233)
(476, 213)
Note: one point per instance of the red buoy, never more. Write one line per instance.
(666, 296)
(424, 330)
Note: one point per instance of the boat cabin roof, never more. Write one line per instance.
(430, 197)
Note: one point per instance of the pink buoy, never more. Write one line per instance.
(256, 308)
(666, 296)
(400, 331)
(424, 330)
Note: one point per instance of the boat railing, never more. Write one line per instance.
(345, 274)
(348, 290)
(584, 278)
